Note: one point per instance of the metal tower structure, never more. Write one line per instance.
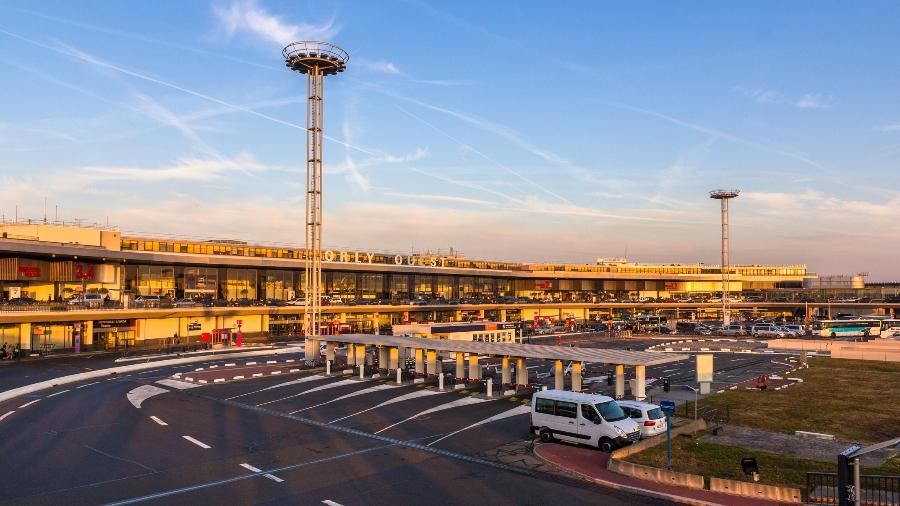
(315, 59)
(724, 196)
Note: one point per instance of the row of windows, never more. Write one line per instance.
(244, 250)
(493, 337)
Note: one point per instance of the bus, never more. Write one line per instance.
(651, 321)
(890, 327)
(847, 328)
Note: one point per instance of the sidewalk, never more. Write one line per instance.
(591, 464)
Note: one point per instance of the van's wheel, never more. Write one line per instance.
(606, 445)
(546, 436)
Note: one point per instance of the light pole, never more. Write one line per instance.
(724, 196)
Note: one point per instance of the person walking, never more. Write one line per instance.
(17, 352)
(3, 352)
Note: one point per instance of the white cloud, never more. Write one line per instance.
(894, 127)
(245, 16)
(384, 67)
(814, 101)
(441, 198)
(805, 101)
(185, 169)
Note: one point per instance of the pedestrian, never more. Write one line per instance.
(3, 352)
(17, 352)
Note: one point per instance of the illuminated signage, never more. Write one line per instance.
(356, 257)
(29, 271)
(704, 368)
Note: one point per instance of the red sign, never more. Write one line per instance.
(543, 285)
(29, 271)
(240, 322)
(84, 272)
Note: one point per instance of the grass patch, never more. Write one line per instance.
(690, 455)
(856, 400)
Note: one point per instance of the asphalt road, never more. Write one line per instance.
(88, 444)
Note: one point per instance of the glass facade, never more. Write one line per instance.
(240, 284)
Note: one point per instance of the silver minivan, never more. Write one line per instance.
(593, 420)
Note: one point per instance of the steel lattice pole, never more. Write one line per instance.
(726, 279)
(314, 117)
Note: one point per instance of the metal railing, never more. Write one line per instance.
(45, 307)
(875, 490)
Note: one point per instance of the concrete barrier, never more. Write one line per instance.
(747, 489)
(690, 428)
(656, 475)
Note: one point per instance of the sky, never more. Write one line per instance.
(510, 130)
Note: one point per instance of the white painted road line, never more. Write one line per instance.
(87, 385)
(238, 377)
(28, 403)
(157, 420)
(465, 401)
(292, 382)
(180, 385)
(336, 384)
(519, 410)
(257, 470)
(6, 414)
(329, 502)
(275, 372)
(201, 444)
(405, 397)
(250, 363)
(376, 388)
(57, 393)
(257, 375)
(140, 394)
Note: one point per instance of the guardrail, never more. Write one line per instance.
(875, 490)
(54, 307)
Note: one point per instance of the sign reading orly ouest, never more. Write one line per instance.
(366, 258)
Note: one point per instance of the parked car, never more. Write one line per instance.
(419, 301)
(296, 301)
(799, 330)
(335, 301)
(87, 299)
(593, 420)
(148, 300)
(735, 330)
(22, 301)
(767, 330)
(185, 302)
(649, 417)
(274, 302)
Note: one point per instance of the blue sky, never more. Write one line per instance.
(511, 130)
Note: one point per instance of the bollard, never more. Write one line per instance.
(328, 368)
(399, 376)
(362, 370)
(490, 388)
(441, 382)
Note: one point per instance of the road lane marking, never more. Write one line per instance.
(364, 391)
(251, 468)
(89, 384)
(341, 383)
(140, 394)
(465, 401)
(518, 410)
(28, 403)
(411, 395)
(6, 414)
(329, 502)
(257, 470)
(180, 385)
(57, 393)
(201, 444)
(157, 420)
(314, 377)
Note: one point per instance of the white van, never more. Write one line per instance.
(593, 420)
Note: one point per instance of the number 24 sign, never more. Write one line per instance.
(84, 271)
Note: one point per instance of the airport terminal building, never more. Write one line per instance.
(368, 291)
(47, 261)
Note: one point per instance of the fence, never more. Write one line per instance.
(822, 488)
(44, 307)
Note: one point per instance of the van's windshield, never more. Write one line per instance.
(610, 411)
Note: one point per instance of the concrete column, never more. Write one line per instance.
(474, 368)
(576, 377)
(521, 372)
(360, 354)
(504, 371)
(393, 358)
(640, 392)
(25, 336)
(560, 375)
(362, 370)
(502, 315)
(432, 362)
(383, 357)
(351, 354)
(420, 362)
(329, 351)
(460, 368)
(620, 381)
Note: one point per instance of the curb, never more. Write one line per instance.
(75, 378)
(628, 488)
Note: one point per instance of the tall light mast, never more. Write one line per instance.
(724, 196)
(316, 59)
